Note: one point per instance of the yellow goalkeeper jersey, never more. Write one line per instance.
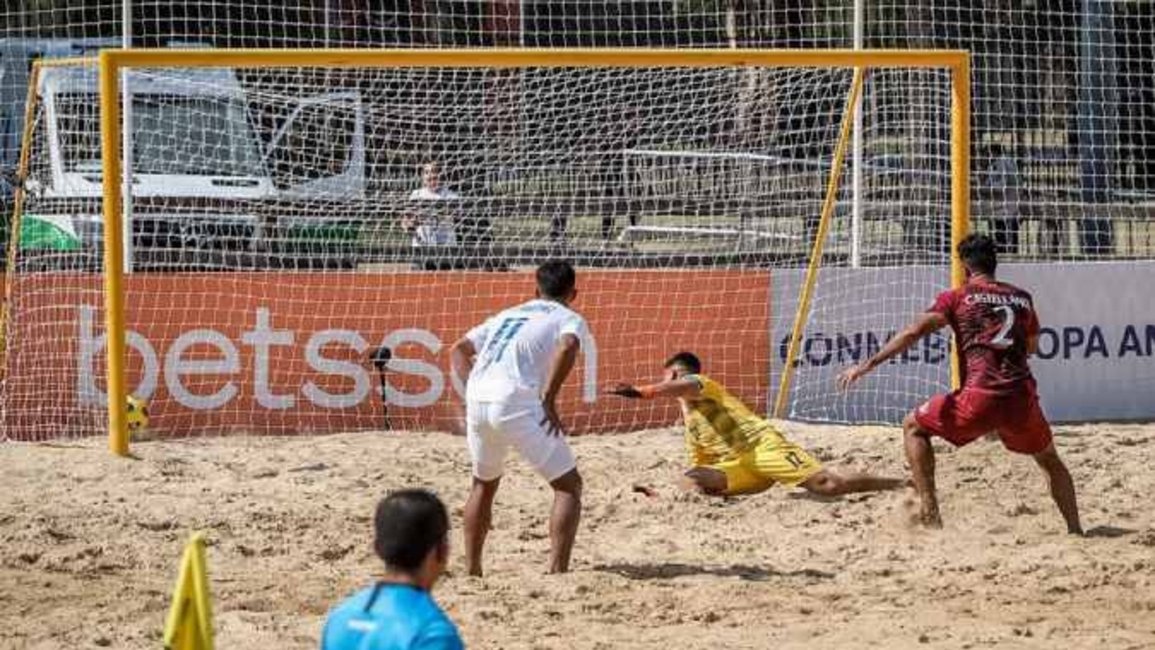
(719, 427)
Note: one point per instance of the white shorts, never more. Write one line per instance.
(492, 427)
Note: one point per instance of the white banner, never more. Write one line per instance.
(1096, 347)
(1096, 357)
(853, 313)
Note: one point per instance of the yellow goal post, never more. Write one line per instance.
(113, 62)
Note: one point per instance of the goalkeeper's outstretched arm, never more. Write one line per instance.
(680, 387)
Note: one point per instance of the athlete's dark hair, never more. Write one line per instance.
(555, 279)
(409, 524)
(978, 253)
(687, 360)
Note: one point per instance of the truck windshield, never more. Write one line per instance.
(172, 134)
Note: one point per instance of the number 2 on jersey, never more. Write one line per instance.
(1001, 340)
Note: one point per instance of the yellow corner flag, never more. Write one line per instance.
(190, 618)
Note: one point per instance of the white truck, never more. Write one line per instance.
(209, 175)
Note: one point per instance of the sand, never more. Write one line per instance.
(89, 546)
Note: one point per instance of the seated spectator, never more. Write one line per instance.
(431, 228)
(398, 612)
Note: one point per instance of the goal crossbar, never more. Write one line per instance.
(113, 61)
(955, 60)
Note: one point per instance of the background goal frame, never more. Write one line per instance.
(113, 62)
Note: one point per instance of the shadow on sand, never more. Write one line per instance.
(1109, 531)
(669, 570)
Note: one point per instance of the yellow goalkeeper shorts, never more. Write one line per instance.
(773, 460)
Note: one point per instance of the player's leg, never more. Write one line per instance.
(1024, 429)
(828, 483)
(732, 477)
(1062, 487)
(920, 456)
(564, 518)
(487, 450)
(773, 460)
(777, 460)
(478, 520)
(960, 418)
(551, 457)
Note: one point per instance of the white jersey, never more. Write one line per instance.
(426, 194)
(434, 231)
(515, 349)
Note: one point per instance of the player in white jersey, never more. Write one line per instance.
(516, 363)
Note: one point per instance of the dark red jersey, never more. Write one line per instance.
(992, 322)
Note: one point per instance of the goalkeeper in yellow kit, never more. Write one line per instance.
(734, 451)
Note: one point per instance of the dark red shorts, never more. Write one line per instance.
(966, 415)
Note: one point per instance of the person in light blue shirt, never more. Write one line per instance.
(398, 612)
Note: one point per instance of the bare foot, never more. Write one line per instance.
(916, 515)
(930, 518)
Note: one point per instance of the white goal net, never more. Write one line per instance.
(289, 222)
(250, 180)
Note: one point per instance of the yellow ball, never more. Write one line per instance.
(137, 414)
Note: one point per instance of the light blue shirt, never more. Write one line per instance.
(389, 617)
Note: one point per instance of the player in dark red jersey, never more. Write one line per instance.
(995, 329)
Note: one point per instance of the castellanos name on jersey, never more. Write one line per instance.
(515, 349)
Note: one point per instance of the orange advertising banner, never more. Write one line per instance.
(286, 353)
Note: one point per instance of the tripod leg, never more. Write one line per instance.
(384, 400)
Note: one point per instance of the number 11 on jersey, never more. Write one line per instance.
(501, 338)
